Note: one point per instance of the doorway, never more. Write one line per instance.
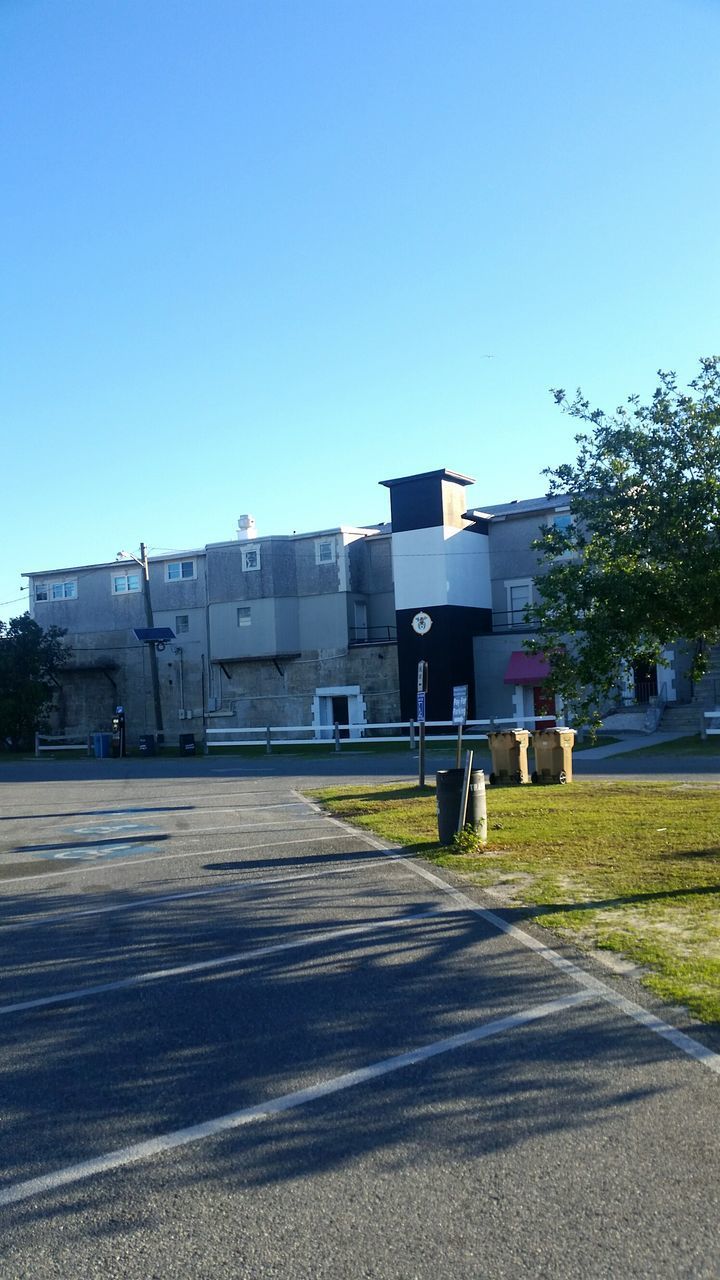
(341, 704)
(341, 713)
(645, 680)
(543, 708)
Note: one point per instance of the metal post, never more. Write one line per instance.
(458, 751)
(412, 735)
(154, 677)
(268, 740)
(421, 754)
(465, 791)
(337, 736)
(37, 744)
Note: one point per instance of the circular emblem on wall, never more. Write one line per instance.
(421, 623)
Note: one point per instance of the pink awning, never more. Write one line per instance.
(526, 668)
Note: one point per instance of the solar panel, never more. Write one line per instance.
(151, 635)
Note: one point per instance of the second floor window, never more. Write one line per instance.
(123, 583)
(244, 616)
(182, 624)
(56, 590)
(519, 598)
(177, 570)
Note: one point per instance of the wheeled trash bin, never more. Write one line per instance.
(553, 755)
(509, 750)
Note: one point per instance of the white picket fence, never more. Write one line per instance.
(714, 718)
(347, 735)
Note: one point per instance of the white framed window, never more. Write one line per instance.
(182, 624)
(66, 590)
(325, 551)
(519, 595)
(250, 559)
(124, 583)
(180, 570)
(244, 615)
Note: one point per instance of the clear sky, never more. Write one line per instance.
(258, 255)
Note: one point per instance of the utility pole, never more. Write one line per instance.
(154, 677)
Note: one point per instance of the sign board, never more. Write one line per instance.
(422, 680)
(421, 623)
(460, 703)
(420, 717)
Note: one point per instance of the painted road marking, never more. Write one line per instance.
(237, 886)
(286, 1102)
(239, 957)
(693, 1048)
(91, 852)
(166, 857)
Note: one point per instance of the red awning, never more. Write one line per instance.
(526, 668)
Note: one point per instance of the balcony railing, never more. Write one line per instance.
(372, 635)
(515, 620)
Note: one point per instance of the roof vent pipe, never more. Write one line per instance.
(246, 528)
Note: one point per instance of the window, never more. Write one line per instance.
(325, 551)
(250, 558)
(182, 624)
(563, 522)
(56, 590)
(519, 598)
(122, 583)
(177, 570)
(244, 616)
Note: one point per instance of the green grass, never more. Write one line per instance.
(631, 867)
(692, 746)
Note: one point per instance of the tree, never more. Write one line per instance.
(638, 565)
(29, 661)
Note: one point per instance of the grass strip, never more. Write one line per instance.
(629, 866)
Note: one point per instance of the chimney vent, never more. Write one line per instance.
(246, 528)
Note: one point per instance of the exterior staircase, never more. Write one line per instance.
(681, 717)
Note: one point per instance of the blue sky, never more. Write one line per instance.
(256, 254)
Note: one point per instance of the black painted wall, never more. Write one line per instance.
(448, 650)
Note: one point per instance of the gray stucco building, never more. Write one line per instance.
(317, 628)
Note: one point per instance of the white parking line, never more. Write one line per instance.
(237, 886)
(239, 957)
(286, 1102)
(687, 1044)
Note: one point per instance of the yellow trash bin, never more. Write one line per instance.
(553, 755)
(509, 750)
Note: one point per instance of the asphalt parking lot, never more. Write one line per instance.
(240, 1039)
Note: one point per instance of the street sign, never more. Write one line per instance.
(460, 703)
(420, 717)
(422, 679)
(421, 623)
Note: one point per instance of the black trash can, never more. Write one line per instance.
(449, 785)
(187, 744)
(146, 744)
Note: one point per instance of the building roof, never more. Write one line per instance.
(442, 474)
(521, 506)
